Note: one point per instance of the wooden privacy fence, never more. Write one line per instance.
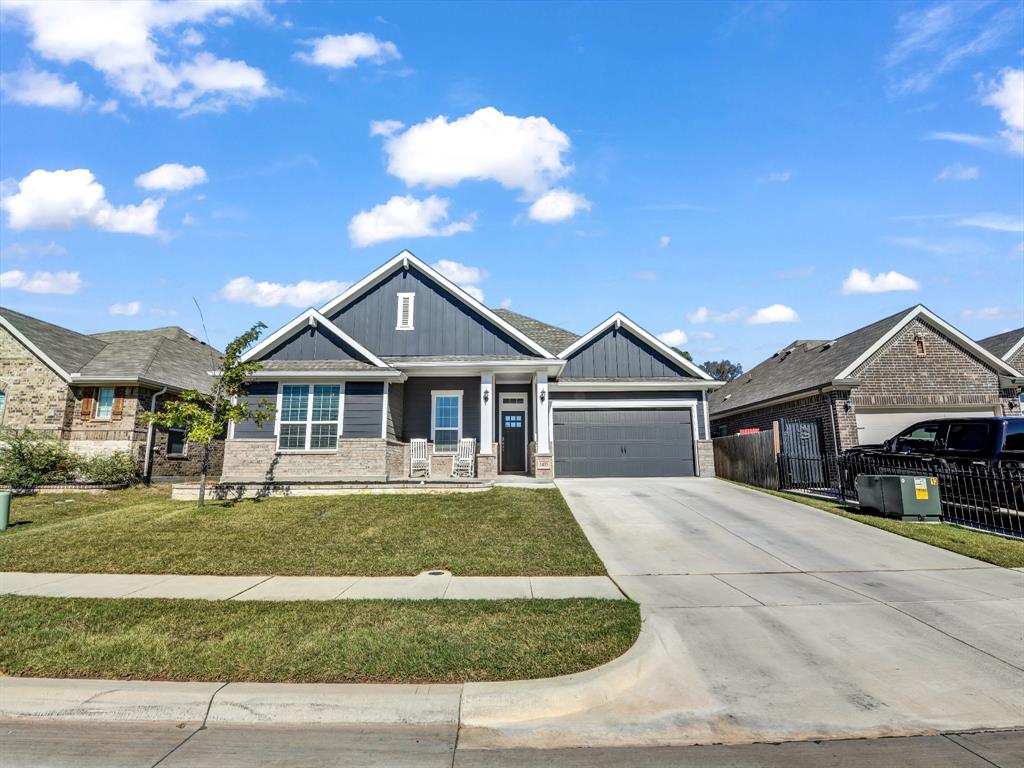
(749, 458)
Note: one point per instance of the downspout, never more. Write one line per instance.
(149, 434)
(835, 426)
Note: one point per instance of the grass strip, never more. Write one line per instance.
(349, 641)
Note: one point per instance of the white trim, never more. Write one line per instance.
(383, 414)
(309, 415)
(487, 413)
(34, 349)
(1014, 350)
(524, 407)
(96, 413)
(275, 374)
(477, 367)
(619, 319)
(406, 259)
(922, 311)
(707, 418)
(541, 408)
(301, 323)
(627, 385)
(690, 405)
(434, 394)
(402, 296)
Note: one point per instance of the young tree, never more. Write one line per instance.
(205, 417)
(722, 370)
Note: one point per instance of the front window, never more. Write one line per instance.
(309, 417)
(446, 421)
(176, 442)
(105, 403)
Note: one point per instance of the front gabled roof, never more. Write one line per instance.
(162, 356)
(804, 366)
(1004, 345)
(619, 319)
(405, 259)
(312, 317)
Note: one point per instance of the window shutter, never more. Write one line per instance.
(118, 407)
(88, 398)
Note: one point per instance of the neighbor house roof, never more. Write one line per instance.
(1002, 345)
(806, 365)
(162, 356)
(551, 337)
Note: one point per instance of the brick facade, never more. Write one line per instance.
(705, 458)
(35, 396)
(897, 376)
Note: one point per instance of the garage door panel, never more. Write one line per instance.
(624, 442)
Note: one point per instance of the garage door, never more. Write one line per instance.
(879, 427)
(624, 442)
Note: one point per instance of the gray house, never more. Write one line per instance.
(406, 354)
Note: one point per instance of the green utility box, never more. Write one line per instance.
(904, 497)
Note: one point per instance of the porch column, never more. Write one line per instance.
(542, 408)
(487, 398)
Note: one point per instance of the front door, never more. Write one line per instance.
(513, 441)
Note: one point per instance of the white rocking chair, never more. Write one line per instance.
(464, 461)
(419, 458)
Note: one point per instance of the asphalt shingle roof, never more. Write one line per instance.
(551, 337)
(166, 356)
(802, 366)
(1002, 343)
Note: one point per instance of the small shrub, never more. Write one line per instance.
(116, 467)
(29, 458)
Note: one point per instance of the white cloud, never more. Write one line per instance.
(305, 293)
(970, 139)
(523, 153)
(41, 89)
(129, 43)
(34, 249)
(172, 176)
(192, 38)
(663, 241)
(958, 172)
(861, 281)
(776, 313)
(704, 315)
(775, 177)
(475, 291)
(1008, 97)
(405, 217)
(673, 338)
(1000, 222)
(460, 273)
(41, 282)
(73, 199)
(505, 303)
(991, 313)
(188, 220)
(344, 51)
(128, 309)
(558, 205)
(385, 127)
(108, 106)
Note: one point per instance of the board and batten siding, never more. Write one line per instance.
(418, 404)
(257, 392)
(685, 398)
(312, 344)
(442, 325)
(364, 409)
(618, 354)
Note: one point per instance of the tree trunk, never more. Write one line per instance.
(202, 475)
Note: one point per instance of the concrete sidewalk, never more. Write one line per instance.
(430, 585)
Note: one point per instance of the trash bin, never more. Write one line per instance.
(5, 509)
(903, 497)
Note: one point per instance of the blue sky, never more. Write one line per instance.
(740, 175)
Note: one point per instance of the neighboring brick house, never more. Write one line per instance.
(1008, 346)
(90, 389)
(866, 386)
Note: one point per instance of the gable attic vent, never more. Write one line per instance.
(406, 310)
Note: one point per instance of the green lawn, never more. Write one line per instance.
(500, 532)
(334, 641)
(993, 549)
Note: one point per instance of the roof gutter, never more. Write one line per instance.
(149, 434)
(79, 379)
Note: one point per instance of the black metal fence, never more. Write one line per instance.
(976, 495)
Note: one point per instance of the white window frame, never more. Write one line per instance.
(99, 394)
(309, 415)
(434, 394)
(411, 298)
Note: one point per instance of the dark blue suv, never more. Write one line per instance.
(978, 440)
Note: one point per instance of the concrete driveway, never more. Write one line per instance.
(783, 622)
